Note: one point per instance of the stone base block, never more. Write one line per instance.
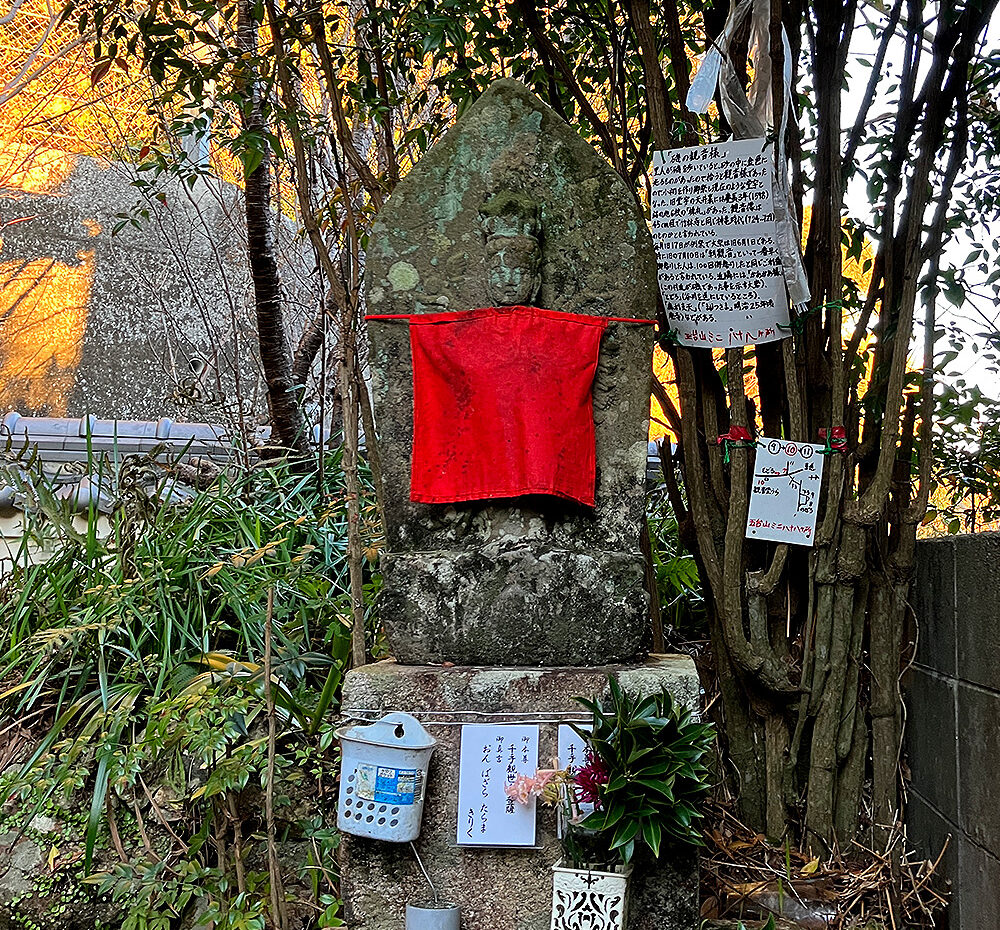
(498, 889)
(524, 606)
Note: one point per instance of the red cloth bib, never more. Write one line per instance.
(503, 404)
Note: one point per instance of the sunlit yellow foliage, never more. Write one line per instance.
(44, 316)
(944, 506)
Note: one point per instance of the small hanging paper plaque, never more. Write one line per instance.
(491, 758)
(785, 492)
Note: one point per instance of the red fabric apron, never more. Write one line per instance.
(503, 404)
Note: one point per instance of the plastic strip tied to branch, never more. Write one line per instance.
(750, 113)
(670, 337)
(798, 321)
(835, 440)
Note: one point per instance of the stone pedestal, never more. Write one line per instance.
(498, 889)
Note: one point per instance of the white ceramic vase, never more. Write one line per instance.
(587, 899)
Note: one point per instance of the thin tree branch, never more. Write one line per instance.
(529, 12)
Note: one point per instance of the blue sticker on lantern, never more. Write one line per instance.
(395, 786)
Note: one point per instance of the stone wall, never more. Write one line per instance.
(12, 536)
(953, 728)
(156, 320)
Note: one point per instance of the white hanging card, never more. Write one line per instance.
(714, 229)
(491, 758)
(785, 493)
(572, 747)
(572, 756)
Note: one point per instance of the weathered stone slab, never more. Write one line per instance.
(931, 741)
(978, 884)
(934, 603)
(978, 749)
(930, 834)
(518, 603)
(498, 889)
(583, 245)
(977, 581)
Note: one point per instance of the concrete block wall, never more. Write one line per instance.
(953, 722)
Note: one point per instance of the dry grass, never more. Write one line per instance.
(745, 876)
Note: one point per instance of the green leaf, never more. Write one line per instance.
(652, 834)
(661, 787)
(96, 809)
(616, 783)
(625, 833)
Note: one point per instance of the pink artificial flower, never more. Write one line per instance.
(590, 778)
(520, 789)
(524, 787)
(543, 777)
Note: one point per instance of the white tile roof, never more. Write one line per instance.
(74, 453)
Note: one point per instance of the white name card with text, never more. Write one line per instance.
(491, 759)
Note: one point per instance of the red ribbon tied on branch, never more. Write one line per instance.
(738, 437)
(735, 434)
(836, 438)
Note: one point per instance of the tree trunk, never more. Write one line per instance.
(283, 404)
(808, 645)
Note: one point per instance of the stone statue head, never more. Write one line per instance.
(512, 232)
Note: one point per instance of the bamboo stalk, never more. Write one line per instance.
(278, 914)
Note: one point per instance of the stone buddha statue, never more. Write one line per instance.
(525, 581)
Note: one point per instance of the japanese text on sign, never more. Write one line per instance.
(491, 759)
(714, 231)
(573, 756)
(784, 496)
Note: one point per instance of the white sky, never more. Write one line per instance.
(974, 316)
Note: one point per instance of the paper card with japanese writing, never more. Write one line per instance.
(491, 758)
(572, 747)
(784, 495)
(572, 755)
(720, 273)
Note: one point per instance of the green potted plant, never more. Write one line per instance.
(644, 778)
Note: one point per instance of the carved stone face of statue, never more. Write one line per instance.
(513, 253)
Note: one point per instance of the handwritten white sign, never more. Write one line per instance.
(573, 756)
(491, 758)
(712, 210)
(785, 493)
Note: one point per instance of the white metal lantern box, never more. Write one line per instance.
(383, 778)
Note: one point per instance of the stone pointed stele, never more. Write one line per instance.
(512, 206)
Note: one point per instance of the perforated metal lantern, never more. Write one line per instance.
(383, 778)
